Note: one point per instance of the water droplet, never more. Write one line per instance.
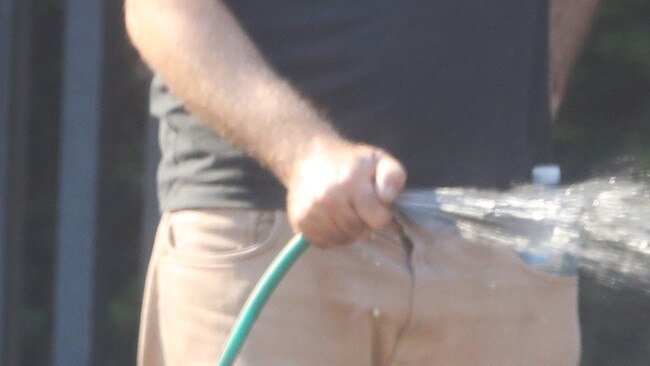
(377, 264)
(376, 313)
(493, 285)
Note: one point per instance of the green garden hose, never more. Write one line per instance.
(260, 295)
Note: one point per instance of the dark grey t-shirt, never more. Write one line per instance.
(455, 89)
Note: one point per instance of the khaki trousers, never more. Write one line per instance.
(437, 300)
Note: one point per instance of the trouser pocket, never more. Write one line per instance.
(204, 266)
(220, 237)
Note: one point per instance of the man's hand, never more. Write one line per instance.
(340, 191)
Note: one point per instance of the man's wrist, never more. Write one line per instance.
(313, 148)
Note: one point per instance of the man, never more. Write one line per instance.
(331, 104)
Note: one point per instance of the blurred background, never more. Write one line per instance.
(77, 168)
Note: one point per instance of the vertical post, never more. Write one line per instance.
(75, 298)
(14, 107)
(6, 37)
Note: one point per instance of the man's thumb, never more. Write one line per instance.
(390, 178)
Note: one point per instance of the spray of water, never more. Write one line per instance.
(601, 226)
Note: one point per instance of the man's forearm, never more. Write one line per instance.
(210, 63)
(569, 26)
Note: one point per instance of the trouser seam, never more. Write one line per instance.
(407, 243)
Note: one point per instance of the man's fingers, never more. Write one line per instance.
(390, 178)
(370, 208)
(373, 197)
(350, 222)
(321, 229)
